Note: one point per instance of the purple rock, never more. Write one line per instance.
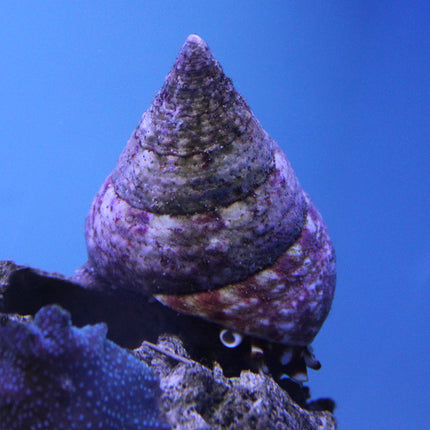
(56, 376)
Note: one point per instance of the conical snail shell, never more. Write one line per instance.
(205, 213)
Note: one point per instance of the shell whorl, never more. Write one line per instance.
(198, 147)
(204, 212)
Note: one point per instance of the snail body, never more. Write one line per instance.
(204, 212)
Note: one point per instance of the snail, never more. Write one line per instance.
(204, 213)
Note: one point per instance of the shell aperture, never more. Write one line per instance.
(204, 212)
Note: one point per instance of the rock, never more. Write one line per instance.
(55, 376)
(192, 395)
(195, 397)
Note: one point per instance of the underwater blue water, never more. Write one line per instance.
(343, 87)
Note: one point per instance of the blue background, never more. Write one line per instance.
(344, 87)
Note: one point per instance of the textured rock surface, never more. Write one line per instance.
(195, 397)
(192, 395)
(55, 376)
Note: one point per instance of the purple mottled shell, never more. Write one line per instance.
(204, 212)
